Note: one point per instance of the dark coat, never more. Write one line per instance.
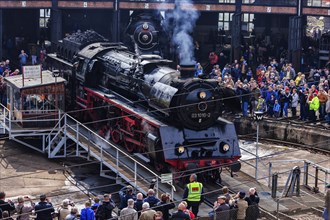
(6, 206)
(164, 207)
(104, 211)
(180, 215)
(44, 211)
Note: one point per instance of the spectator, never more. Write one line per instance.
(44, 209)
(199, 70)
(241, 204)
(327, 108)
(23, 211)
(298, 78)
(125, 194)
(303, 95)
(96, 204)
(7, 65)
(270, 106)
(42, 54)
(213, 58)
(2, 68)
(294, 102)
(64, 209)
(244, 92)
(87, 213)
(180, 214)
(314, 105)
(221, 209)
(193, 194)
(261, 106)
(34, 55)
(23, 58)
(225, 192)
(16, 72)
(151, 198)
(158, 215)
(73, 214)
(5, 206)
(6, 216)
(255, 93)
(104, 211)
(147, 213)
(165, 204)
(285, 100)
(252, 212)
(138, 203)
(276, 109)
(188, 211)
(323, 98)
(129, 213)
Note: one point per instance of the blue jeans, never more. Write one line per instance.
(322, 111)
(285, 109)
(245, 106)
(328, 118)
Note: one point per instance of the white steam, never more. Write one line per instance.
(183, 20)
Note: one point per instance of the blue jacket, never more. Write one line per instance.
(152, 200)
(277, 107)
(87, 214)
(44, 211)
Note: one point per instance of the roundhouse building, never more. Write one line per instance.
(288, 27)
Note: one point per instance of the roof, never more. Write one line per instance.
(47, 79)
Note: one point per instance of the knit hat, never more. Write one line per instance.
(241, 194)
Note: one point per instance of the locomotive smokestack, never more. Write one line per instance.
(187, 70)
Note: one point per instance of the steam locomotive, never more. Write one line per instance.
(143, 104)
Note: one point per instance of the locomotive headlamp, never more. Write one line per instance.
(224, 147)
(179, 150)
(202, 95)
(145, 26)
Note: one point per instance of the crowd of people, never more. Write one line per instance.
(136, 207)
(274, 87)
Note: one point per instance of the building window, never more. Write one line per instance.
(248, 1)
(224, 20)
(247, 22)
(318, 3)
(44, 17)
(227, 1)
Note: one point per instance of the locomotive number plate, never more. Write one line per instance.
(201, 115)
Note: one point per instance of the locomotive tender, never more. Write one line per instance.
(144, 105)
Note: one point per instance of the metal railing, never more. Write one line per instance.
(101, 149)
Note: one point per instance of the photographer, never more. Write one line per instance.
(165, 205)
(5, 206)
(44, 209)
(23, 211)
(64, 209)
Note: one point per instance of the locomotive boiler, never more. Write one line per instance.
(141, 103)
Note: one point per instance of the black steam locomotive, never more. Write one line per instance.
(166, 115)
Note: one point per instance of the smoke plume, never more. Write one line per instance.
(183, 22)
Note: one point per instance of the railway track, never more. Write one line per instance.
(308, 147)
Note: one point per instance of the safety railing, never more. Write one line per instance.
(101, 149)
(318, 176)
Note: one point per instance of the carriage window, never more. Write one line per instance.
(35, 102)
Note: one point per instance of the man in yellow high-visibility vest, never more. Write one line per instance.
(193, 194)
